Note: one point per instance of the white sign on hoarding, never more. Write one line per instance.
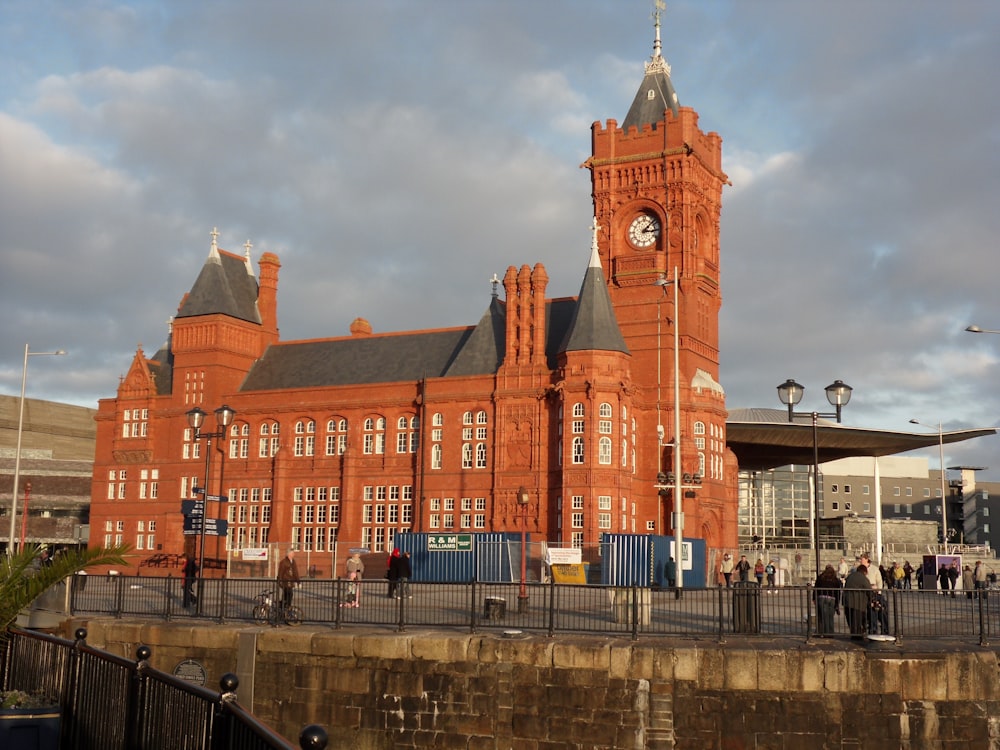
(255, 553)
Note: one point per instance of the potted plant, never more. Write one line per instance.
(29, 718)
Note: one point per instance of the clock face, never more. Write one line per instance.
(644, 230)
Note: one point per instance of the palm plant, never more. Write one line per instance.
(22, 579)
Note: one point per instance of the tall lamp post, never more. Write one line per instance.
(944, 496)
(522, 595)
(17, 451)
(196, 418)
(677, 484)
(838, 393)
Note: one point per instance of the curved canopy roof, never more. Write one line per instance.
(764, 439)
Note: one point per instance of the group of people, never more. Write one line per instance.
(861, 595)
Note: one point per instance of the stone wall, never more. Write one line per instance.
(376, 691)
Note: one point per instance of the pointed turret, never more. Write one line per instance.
(223, 286)
(594, 326)
(656, 94)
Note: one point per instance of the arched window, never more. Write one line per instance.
(604, 451)
(578, 410)
(467, 418)
(481, 455)
(401, 423)
(436, 457)
(481, 418)
(578, 454)
(437, 420)
(467, 456)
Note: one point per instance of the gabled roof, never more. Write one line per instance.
(224, 286)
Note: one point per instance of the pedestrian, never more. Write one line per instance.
(907, 575)
(405, 574)
(670, 569)
(393, 573)
(944, 580)
(878, 610)
(189, 573)
(355, 572)
(743, 569)
(968, 581)
(758, 571)
(953, 576)
(857, 601)
(979, 576)
(826, 594)
(727, 569)
(288, 578)
(769, 570)
(897, 575)
(45, 559)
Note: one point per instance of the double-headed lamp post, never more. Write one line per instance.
(17, 451)
(196, 418)
(944, 489)
(838, 393)
(522, 595)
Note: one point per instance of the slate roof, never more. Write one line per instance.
(225, 285)
(656, 93)
(594, 325)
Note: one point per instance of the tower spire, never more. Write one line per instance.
(657, 63)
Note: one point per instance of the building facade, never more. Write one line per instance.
(555, 415)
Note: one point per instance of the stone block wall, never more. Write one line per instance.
(376, 691)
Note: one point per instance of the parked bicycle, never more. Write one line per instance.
(270, 610)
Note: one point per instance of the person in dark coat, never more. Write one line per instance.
(944, 582)
(857, 601)
(953, 575)
(393, 573)
(188, 575)
(405, 573)
(826, 594)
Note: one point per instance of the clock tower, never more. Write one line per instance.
(657, 189)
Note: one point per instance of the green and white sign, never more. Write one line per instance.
(449, 543)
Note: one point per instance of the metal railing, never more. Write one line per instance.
(718, 612)
(107, 702)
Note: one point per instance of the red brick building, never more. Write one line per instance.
(436, 430)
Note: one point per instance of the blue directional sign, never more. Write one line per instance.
(192, 507)
(218, 498)
(213, 526)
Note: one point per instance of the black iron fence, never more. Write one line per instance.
(746, 609)
(106, 702)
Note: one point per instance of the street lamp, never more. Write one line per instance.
(17, 451)
(838, 393)
(944, 496)
(676, 484)
(522, 596)
(196, 418)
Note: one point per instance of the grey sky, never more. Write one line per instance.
(398, 154)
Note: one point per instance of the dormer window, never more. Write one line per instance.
(651, 94)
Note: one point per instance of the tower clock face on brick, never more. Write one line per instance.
(643, 230)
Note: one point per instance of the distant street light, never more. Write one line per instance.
(838, 393)
(17, 451)
(944, 496)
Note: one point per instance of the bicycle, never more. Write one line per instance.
(270, 610)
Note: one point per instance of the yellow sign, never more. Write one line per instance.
(569, 574)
